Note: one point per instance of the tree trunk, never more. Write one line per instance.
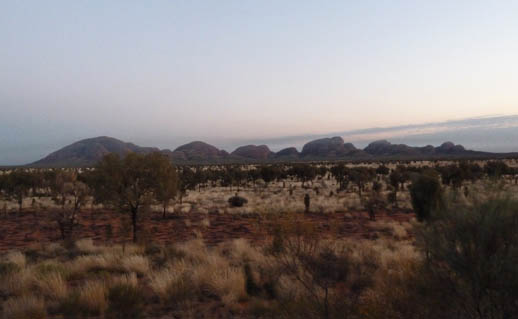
(134, 223)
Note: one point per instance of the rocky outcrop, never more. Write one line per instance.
(255, 152)
(327, 147)
(89, 151)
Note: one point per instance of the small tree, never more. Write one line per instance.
(339, 172)
(396, 179)
(166, 180)
(360, 176)
(129, 184)
(67, 185)
(18, 184)
(426, 194)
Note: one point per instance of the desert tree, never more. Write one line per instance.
(360, 176)
(166, 180)
(18, 184)
(495, 169)
(67, 185)
(186, 181)
(396, 179)
(303, 172)
(382, 170)
(129, 184)
(339, 172)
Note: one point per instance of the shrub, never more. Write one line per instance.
(125, 301)
(471, 255)
(426, 194)
(237, 201)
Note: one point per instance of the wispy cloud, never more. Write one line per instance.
(491, 133)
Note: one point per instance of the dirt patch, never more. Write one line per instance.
(20, 230)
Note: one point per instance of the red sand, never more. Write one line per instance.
(19, 230)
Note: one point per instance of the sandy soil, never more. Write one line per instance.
(29, 228)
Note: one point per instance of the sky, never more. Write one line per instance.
(163, 73)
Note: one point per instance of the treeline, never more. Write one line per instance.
(136, 181)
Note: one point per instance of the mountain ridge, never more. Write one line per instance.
(87, 152)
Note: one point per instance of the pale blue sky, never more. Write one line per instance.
(167, 72)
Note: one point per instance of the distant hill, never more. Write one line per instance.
(253, 152)
(328, 148)
(89, 151)
(197, 152)
(287, 153)
(384, 148)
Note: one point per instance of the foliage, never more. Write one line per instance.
(471, 255)
(237, 201)
(132, 183)
(426, 194)
(18, 184)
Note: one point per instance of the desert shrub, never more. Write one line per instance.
(471, 255)
(125, 301)
(237, 201)
(426, 194)
(320, 280)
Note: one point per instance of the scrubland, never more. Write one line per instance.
(272, 257)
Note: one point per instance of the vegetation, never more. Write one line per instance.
(426, 194)
(133, 183)
(457, 260)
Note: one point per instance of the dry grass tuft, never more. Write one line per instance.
(164, 280)
(52, 286)
(25, 307)
(92, 296)
(86, 246)
(136, 263)
(16, 258)
(18, 283)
